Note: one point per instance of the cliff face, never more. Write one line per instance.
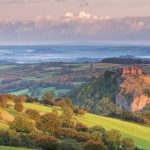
(131, 94)
(140, 102)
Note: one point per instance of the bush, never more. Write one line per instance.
(49, 122)
(19, 103)
(33, 114)
(9, 138)
(4, 100)
(68, 132)
(70, 144)
(95, 145)
(47, 142)
(81, 127)
(78, 111)
(128, 144)
(18, 107)
(113, 139)
(22, 123)
(83, 136)
(97, 132)
(48, 98)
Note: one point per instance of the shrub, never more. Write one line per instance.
(83, 136)
(97, 132)
(22, 123)
(113, 139)
(49, 122)
(68, 120)
(33, 114)
(9, 138)
(95, 145)
(78, 111)
(18, 107)
(48, 98)
(81, 127)
(19, 103)
(70, 144)
(4, 100)
(68, 132)
(47, 142)
(128, 144)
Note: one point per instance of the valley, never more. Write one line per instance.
(36, 79)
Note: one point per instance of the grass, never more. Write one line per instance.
(12, 148)
(38, 107)
(140, 133)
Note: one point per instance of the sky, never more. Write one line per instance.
(74, 20)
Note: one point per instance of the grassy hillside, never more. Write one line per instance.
(140, 133)
(12, 148)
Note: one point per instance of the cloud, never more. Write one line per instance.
(82, 3)
(80, 26)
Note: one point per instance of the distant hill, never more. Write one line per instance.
(125, 60)
(85, 59)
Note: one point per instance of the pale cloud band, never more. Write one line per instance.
(80, 26)
(40, 1)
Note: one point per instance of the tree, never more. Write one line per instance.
(47, 142)
(18, 107)
(33, 114)
(81, 127)
(70, 144)
(95, 145)
(22, 123)
(50, 122)
(128, 144)
(113, 139)
(19, 103)
(147, 92)
(4, 98)
(9, 138)
(68, 119)
(78, 111)
(48, 98)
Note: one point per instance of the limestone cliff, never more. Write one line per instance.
(140, 102)
(131, 93)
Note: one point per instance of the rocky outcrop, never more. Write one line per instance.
(140, 102)
(122, 102)
(131, 93)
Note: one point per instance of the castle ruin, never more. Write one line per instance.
(131, 71)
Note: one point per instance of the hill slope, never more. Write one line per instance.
(139, 133)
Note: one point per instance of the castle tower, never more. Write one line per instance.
(126, 71)
(134, 71)
(139, 71)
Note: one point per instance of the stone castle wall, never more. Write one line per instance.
(131, 71)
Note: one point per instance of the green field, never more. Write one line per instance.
(140, 133)
(21, 92)
(12, 148)
(40, 91)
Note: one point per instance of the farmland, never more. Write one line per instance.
(36, 79)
